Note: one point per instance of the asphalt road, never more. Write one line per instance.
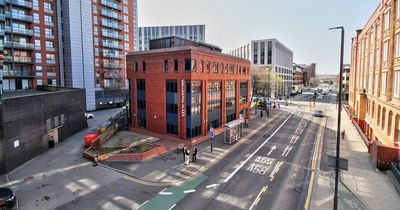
(269, 172)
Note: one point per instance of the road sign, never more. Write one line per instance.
(343, 163)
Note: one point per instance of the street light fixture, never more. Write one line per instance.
(335, 199)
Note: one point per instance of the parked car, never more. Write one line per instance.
(90, 137)
(318, 113)
(89, 116)
(7, 198)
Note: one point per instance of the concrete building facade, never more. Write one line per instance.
(183, 89)
(374, 95)
(195, 33)
(274, 59)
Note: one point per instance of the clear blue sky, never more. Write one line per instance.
(302, 25)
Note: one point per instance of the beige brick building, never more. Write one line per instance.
(374, 95)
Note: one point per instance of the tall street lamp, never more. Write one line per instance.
(335, 201)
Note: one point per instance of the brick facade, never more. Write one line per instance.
(155, 78)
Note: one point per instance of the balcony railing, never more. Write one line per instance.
(21, 3)
(21, 17)
(111, 14)
(111, 25)
(20, 45)
(2, 16)
(18, 73)
(112, 55)
(112, 35)
(20, 31)
(112, 45)
(51, 61)
(113, 66)
(2, 2)
(111, 4)
(112, 76)
(18, 59)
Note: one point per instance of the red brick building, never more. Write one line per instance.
(182, 88)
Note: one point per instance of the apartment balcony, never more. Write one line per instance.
(111, 14)
(50, 49)
(2, 17)
(18, 59)
(112, 45)
(20, 3)
(19, 45)
(112, 55)
(111, 4)
(112, 35)
(2, 2)
(50, 61)
(112, 76)
(20, 31)
(19, 74)
(21, 17)
(112, 86)
(111, 25)
(113, 66)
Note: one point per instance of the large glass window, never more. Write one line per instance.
(193, 109)
(230, 103)
(385, 51)
(255, 53)
(214, 104)
(141, 103)
(171, 87)
(262, 59)
(269, 58)
(396, 84)
(190, 65)
(175, 64)
(383, 83)
(243, 92)
(166, 66)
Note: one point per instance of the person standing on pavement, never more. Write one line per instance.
(194, 155)
(261, 114)
(187, 156)
(267, 111)
(183, 152)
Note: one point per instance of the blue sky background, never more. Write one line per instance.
(302, 25)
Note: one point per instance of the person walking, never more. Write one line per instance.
(261, 114)
(267, 111)
(245, 123)
(343, 133)
(187, 156)
(194, 155)
(183, 152)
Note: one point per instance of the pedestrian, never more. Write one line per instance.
(343, 133)
(245, 123)
(279, 106)
(194, 155)
(212, 138)
(187, 156)
(267, 111)
(183, 152)
(261, 114)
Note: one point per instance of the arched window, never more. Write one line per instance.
(397, 129)
(378, 117)
(373, 109)
(383, 118)
(389, 125)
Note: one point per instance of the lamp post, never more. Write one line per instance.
(335, 199)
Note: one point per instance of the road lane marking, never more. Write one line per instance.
(256, 200)
(164, 193)
(252, 154)
(189, 191)
(172, 207)
(286, 151)
(212, 185)
(299, 130)
(142, 204)
(290, 149)
(294, 139)
(276, 169)
(272, 149)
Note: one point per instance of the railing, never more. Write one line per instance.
(19, 59)
(111, 25)
(112, 45)
(112, 55)
(395, 172)
(111, 5)
(2, 16)
(18, 73)
(19, 45)
(113, 66)
(22, 3)
(22, 17)
(112, 35)
(19, 30)
(111, 14)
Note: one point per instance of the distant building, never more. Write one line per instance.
(34, 121)
(311, 79)
(345, 81)
(274, 59)
(196, 87)
(298, 81)
(195, 33)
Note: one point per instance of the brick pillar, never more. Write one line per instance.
(204, 110)
(223, 102)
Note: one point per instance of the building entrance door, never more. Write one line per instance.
(52, 136)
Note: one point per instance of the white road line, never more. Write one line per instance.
(257, 199)
(142, 204)
(288, 151)
(189, 191)
(172, 207)
(284, 151)
(294, 139)
(165, 193)
(213, 185)
(273, 171)
(252, 154)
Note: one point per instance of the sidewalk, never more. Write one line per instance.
(362, 186)
(169, 168)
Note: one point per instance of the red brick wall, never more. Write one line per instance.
(155, 77)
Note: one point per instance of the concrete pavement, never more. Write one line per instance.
(362, 186)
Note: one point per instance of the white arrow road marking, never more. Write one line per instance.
(272, 149)
(294, 139)
(252, 154)
(142, 204)
(213, 185)
(172, 207)
(189, 191)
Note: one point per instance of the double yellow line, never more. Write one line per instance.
(314, 163)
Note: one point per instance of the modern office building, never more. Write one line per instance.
(182, 88)
(31, 50)
(374, 95)
(91, 39)
(274, 59)
(311, 78)
(195, 33)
